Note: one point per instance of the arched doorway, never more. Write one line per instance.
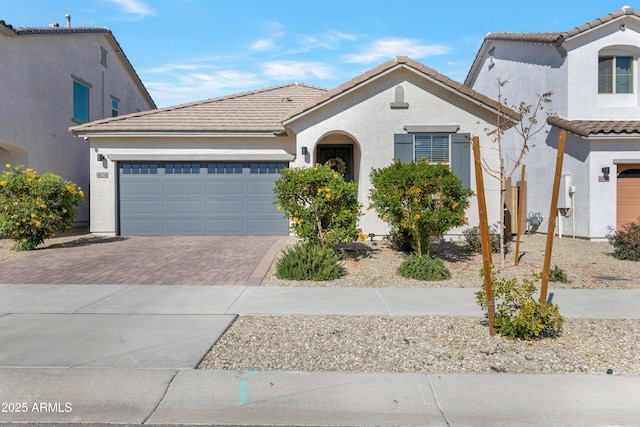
(341, 152)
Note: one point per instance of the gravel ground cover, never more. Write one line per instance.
(586, 264)
(441, 344)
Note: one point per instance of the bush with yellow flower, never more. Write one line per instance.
(34, 207)
(322, 207)
(419, 201)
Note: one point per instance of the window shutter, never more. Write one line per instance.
(461, 157)
(403, 147)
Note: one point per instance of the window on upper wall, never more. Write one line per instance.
(115, 107)
(615, 74)
(80, 101)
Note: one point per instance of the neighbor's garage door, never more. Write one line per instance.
(199, 199)
(628, 194)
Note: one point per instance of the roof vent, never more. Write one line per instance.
(68, 20)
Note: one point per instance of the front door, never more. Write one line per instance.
(339, 157)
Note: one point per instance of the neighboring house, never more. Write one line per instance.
(592, 71)
(209, 167)
(52, 78)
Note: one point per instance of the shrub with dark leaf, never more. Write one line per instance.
(472, 236)
(626, 243)
(308, 261)
(423, 268)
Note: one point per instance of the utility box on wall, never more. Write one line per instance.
(565, 192)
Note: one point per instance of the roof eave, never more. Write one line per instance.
(170, 134)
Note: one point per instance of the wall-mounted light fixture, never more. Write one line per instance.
(304, 151)
(605, 174)
(100, 157)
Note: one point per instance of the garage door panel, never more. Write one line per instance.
(142, 226)
(265, 206)
(137, 187)
(225, 186)
(184, 188)
(182, 226)
(148, 207)
(204, 199)
(228, 207)
(261, 188)
(628, 195)
(184, 207)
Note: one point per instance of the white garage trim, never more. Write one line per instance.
(208, 155)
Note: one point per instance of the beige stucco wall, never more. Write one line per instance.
(36, 87)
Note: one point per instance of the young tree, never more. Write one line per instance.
(527, 128)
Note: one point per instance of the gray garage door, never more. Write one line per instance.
(210, 198)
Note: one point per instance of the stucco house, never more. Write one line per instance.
(592, 71)
(209, 167)
(55, 77)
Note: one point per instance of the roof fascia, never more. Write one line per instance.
(141, 134)
(344, 93)
(473, 71)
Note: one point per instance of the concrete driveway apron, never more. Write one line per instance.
(183, 260)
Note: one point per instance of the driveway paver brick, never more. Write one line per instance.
(142, 260)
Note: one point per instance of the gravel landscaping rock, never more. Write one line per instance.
(585, 264)
(421, 344)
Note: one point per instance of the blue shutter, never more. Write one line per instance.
(403, 147)
(461, 157)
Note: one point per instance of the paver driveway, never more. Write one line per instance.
(199, 260)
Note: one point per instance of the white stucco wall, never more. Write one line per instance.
(571, 73)
(366, 117)
(36, 85)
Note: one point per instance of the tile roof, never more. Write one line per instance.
(555, 37)
(258, 111)
(404, 61)
(587, 128)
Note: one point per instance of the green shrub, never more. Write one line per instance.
(472, 236)
(518, 315)
(309, 261)
(34, 207)
(423, 268)
(558, 275)
(626, 243)
(321, 206)
(419, 200)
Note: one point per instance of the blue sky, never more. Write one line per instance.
(189, 50)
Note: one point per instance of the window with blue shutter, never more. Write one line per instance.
(454, 148)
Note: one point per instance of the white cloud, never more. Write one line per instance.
(297, 70)
(390, 48)
(179, 89)
(264, 44)
(329, 41)
(136, 7)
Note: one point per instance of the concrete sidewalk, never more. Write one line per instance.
(126, 353)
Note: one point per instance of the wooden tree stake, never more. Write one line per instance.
(519, 215)
(552, 217)
(484, 234)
